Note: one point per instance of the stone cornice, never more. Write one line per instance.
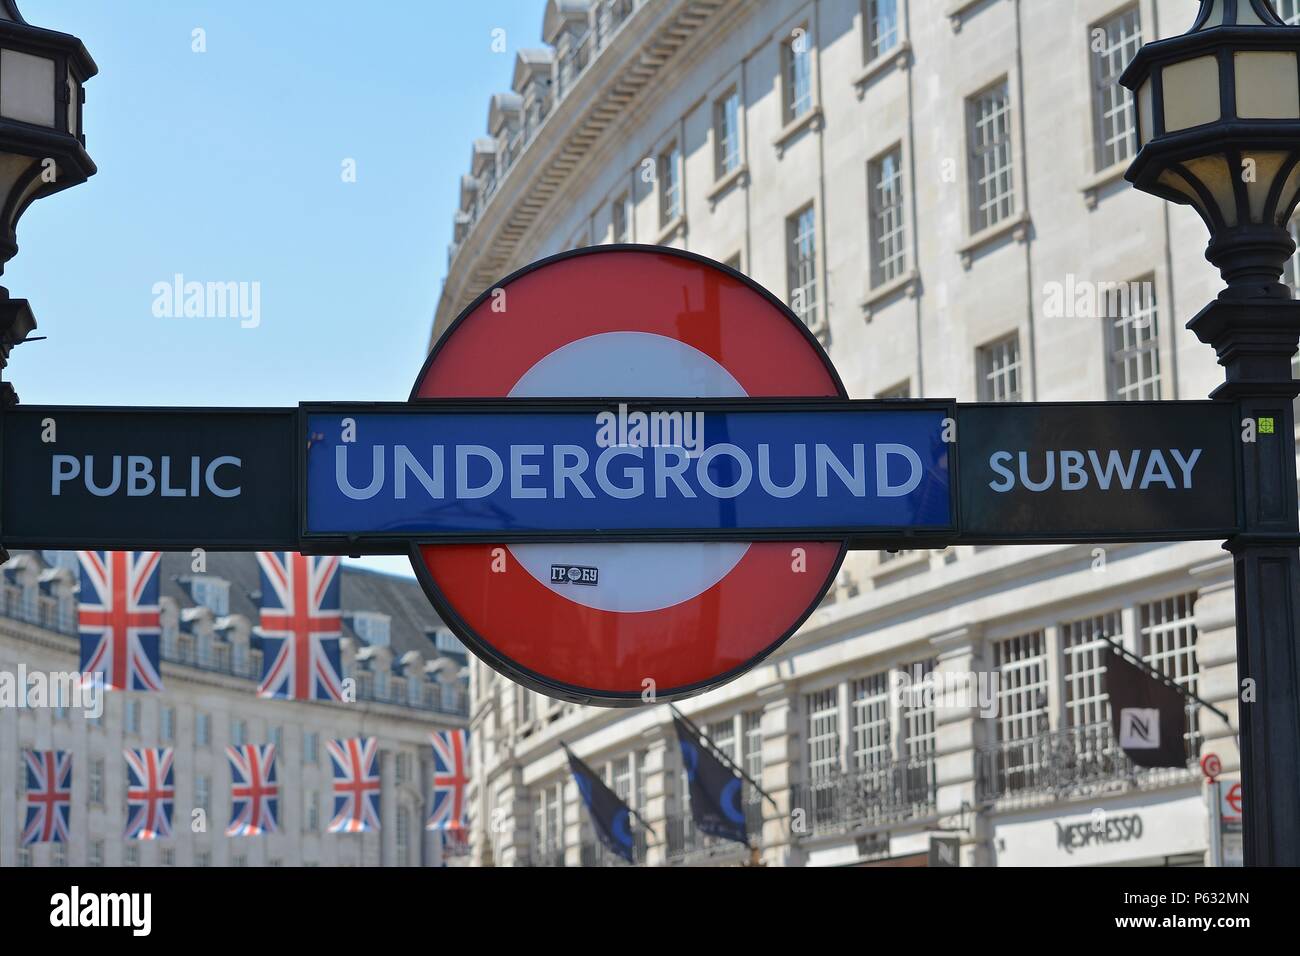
(631, 61)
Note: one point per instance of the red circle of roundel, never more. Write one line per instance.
(627, 322)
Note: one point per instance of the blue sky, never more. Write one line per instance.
(225, 166)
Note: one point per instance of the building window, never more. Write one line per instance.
(1084, 665)
(311, 748)
(993, 196)
(24, 856)
(168, 856)
(881, 20)
(1021, 665)
(312, 811)
(796, 74)
(1167, 641)
(403, 767)
(403, 836)
(97, 781)
(168, 724)
(1289, 10)
(801, 264)
(726, 134)
(548, 837)
(203, 858)
(999, 370)
(823, 708)
(621, 221)
(902, 390)
(751, 727)
(869, 735)
(238, 732)
(202, 730)
(1135, 344)
(203, 793)
(372, 627)
(132, 855)
(621, 780)
(239, 859)
(670, 186)
(60, 854)
(1113, 43)
(212, 593)
(919, 734)
(888, 230)
(133, 716)
(96, 856)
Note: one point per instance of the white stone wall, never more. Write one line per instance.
(961, 291)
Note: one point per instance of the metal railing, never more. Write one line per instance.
(885, 793)
(593, 852)
(1077, 761)
(684, 841)
(548, 854)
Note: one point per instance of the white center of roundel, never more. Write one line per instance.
(639, 576)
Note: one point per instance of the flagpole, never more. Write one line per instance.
(1160, 676)
(631, 809)
(730, 763)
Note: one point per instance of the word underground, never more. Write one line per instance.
(570, 468)
(138, 481)
(1076, 469)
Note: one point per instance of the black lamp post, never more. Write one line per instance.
(1219, 130)
(42, 146)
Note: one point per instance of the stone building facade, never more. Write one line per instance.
(935, 186)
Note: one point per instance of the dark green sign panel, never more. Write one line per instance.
(1116, 471)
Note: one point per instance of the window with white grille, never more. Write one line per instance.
(992, 183)
(621, 779)
(670, 185)
(1135, 344)
(1167, 641)
(869, 735)
(881, 20)
(801, 264)
(1021, 667)
(726, 134)
(1084, 655)
(999, 370)
(1289, 10)
(723, 735)
(751, 726)
(548, 834)
(919, 735)
(823, 709)
(796, 72)
(1113, 43)
(620, 217)
(888, 229)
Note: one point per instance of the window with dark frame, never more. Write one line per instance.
(888, 226)
(1113, 43)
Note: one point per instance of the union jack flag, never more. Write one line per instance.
(356, 785)
(301, 625)
(49, 796)
(119, 619)
(150, 791)
(254, 793)
(450, 778)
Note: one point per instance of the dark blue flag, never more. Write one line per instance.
(610, 816)
(715, 789)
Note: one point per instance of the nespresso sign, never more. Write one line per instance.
(1101, 829)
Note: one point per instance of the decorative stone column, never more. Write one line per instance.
(958, 733)
(657, 789)
(782, 769)
(1216, 658)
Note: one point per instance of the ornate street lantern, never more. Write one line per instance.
(1219, 130)
(42, 145)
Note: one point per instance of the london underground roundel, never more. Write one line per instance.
(600, 621)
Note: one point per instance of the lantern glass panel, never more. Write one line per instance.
(1191, 91)
(27, 88)
(1268, 85)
